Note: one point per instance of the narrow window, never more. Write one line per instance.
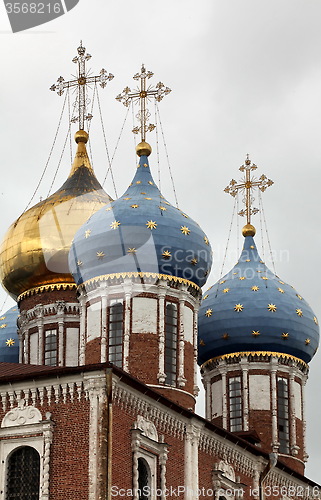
(283, 414)
(170, 343)
(115, 329)
(23, 474)
(143, 480)
(51, 347)
(235, 402)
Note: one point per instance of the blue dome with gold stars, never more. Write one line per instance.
(9, 341)
(142, 233)
(251, 309)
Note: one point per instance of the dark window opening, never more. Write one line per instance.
(235, 403)
(171, 331)
(51, 347)
(283, 414)
(143, 480)
(115, 329)
(23, 474)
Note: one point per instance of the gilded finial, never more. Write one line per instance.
(81, 82)
(246, 185)
(143, 94)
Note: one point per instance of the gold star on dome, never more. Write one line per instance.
(299, 296)
(2, 318)
(184, 215)
(226, 290)
(87, 233)
(138, 165)
(238, 307)
(221, 282)
(79, 263)
(167, 203)
(131, 250)
(115, 224)
(202, 343)
(162, 208)
(185, 230)
(206, 240)
(205, 297)
(142, 193)
(282, 282)
(145, 165)
(138, 182)
(272, 307)
(3, 326)
(134, 206)
(225, 336)
(248, 260)
(108, 209)
(252, 247)
(259, 271)
(208, 313)
(255, 288)
(264, 278)
(281, 290)
(299, 312)
(166, 254)
(10, 342)
(151, 224)
(126, 199)
(100, 255)
(242, 278)
(315, 320)
(307, 341)
(194, 261)
(151, 183)
(285, 335)
(148, 198)
(256, 333)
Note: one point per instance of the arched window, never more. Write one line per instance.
(23, 474)
(51, 347)
(235, 404)
(115, 329)
(143, 479)
(283, 414)
(170, 343)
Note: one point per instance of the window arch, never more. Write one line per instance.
(143, 479)
(23, 474)
(171, 330)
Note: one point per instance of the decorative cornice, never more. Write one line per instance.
(254, 354)
(117, 276)
(46, 288)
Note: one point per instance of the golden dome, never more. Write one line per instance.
(248, 230)
(34, 251)
(143, 149)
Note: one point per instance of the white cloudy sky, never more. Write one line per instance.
(246, 78)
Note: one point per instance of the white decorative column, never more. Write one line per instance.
(126, 341)
(161, 314)
(195, 341)
(61, 312)
(47, 434)
(191, 462)
(293, 445)
(104, 306)
(224, 393)
(181, 380)
(208, 403)
(39, 316)
(274, 406)
(304, 422)
(82, 332)
(245, 370)
(135, 449)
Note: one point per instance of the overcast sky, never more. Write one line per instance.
(245, 78)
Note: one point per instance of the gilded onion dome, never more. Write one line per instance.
(253, 310)
(9, 341)
(34, 251)
(141, 233)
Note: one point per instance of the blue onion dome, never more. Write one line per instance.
(252, 309)
(141, 234)
(9, 341)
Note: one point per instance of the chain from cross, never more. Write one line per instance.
(247, 184)
(82, 81)
(142, 95)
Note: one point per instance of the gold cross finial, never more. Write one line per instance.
(246, 185)
(143, 94)
(81, 81)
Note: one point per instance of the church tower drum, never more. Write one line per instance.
(256, 338)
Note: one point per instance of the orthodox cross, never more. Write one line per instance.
(247, 184)
(142, 95)
(81, 81)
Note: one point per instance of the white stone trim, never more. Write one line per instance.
(191, 443)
